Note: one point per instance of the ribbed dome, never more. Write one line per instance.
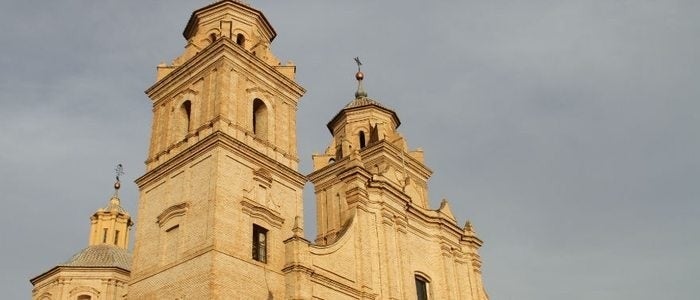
(363, 101)
(360, 103)
(101, 256)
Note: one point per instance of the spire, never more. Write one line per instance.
(360, 93)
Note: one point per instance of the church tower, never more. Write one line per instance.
(100, 271)
(222, 187)
(377, 236)
(220, 203)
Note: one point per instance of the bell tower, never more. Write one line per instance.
(372, 204)
(222, 187)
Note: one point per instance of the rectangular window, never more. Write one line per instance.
(421, 288)
(259, 243)
(116, 236)
(104, 236)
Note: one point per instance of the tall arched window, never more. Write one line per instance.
(186, 112)
(240, 40)
(421, 287)
(362, 139)
(260, 119)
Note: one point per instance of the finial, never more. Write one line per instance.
(360, 93)
(468, 226)
(297, 229)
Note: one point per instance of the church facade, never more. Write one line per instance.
(220, 203)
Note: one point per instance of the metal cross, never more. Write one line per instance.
(359, 63)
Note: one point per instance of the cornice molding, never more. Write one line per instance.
(212, 57)
(220, 139)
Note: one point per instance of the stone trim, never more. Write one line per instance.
(171, 212)
(260, 212)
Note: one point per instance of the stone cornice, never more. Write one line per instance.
(220, 139)
(222, 49)
(58, 269)
(372, 152)
(260, 212)
(327, 281)
(384, 147)
(436, 219)
(327, 172)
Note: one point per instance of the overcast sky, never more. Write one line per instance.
(567, 131)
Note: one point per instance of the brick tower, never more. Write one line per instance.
(222, 186)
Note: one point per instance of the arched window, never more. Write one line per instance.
(421, 287)
(260, 119)
(240, 40)
(362, 139)
(186, 112)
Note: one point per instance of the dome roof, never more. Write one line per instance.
(363, 101)
(101, 256)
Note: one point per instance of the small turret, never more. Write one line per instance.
(111, 224)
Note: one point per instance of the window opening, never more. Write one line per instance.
(260, 119)
(116, 236)
(104, 236)
(240, 40)
(421, 288)
(212, 37)
(187, 114)
(362, 139)
(259, 243)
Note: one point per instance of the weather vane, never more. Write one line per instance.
(119, 170)
(359, 63)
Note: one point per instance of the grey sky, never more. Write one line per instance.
(567, 131)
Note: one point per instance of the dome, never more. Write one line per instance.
(101, 256)
(363, 101)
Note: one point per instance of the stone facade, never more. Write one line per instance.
(220, 204)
